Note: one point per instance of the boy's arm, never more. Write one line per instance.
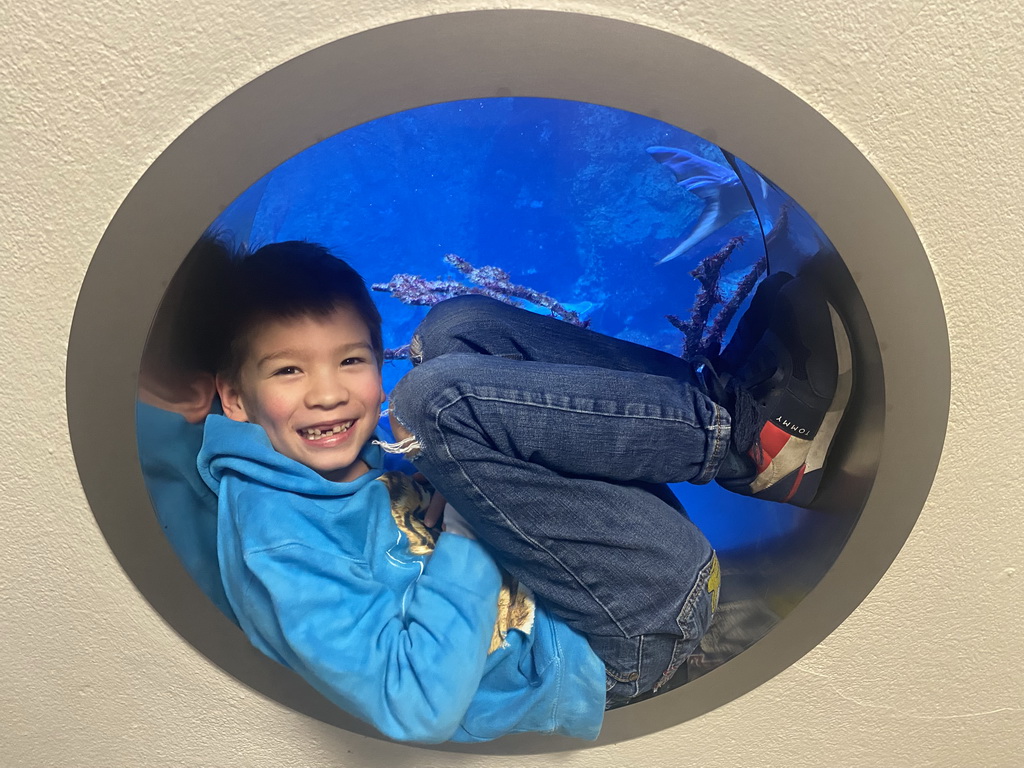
(408, 664)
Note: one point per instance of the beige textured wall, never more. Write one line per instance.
(927, 672)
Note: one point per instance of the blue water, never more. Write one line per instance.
(562, 195)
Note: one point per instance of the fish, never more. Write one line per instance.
(722, 191)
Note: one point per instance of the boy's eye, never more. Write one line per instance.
(352, 360)
(286, 371)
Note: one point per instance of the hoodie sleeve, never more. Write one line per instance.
(407, 662)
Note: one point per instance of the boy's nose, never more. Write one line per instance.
(326, 392)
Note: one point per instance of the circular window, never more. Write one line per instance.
(544, 144)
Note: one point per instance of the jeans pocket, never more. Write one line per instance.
(623, 657)
(620, 687)
(695, 617)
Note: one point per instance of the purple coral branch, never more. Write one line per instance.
(490, 281)
(397, 353)
(419, 292)
(712, 343)
(677, 322)
(497, 282)
(708, 272)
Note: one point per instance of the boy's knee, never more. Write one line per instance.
(413, 392)
(437, 381)
(458, 308)
(405, 413)
(443, 322)
(416, 398)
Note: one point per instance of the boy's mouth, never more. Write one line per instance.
(323, 431)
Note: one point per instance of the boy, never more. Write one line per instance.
(556, 466)
(323, 560)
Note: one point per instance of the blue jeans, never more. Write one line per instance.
(555, 442)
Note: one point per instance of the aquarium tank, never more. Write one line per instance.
(611, 220)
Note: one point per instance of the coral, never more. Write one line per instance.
(488, 281)
(707, 272)
(496, 283)
(698, 339)
(397, 353)
(711, 344)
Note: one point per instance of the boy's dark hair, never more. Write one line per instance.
(289, 280)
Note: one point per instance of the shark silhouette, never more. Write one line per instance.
(717, 185)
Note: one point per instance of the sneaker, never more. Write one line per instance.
(799, 376)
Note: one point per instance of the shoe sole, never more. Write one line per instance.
(814, 467)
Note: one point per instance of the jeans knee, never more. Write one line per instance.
(461, 308)
(436, 384)
(405, 413)
(443, 322)
(414, 394)
(406, 397)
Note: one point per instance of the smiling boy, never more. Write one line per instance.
(554, 441)
(314, 385)
(324, 556)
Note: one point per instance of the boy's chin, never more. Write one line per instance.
(343, 466)
(347, 473)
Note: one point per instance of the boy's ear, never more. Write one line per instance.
(231, 399)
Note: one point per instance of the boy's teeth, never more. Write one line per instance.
(314, 433)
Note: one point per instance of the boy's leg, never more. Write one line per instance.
(785, 378)
(482, 325)
(485, 327)
(551, 464)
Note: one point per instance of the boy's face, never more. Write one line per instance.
(314, 385)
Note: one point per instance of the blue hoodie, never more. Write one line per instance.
(323, 580)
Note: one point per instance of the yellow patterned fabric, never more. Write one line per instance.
(715, 582)
(409, 501)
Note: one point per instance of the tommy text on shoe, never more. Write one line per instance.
(801, 422)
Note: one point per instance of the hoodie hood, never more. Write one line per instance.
(245, 449)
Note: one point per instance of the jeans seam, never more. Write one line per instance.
(720, 431)
(715, 428)
(696, 593)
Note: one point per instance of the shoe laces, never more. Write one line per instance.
(726, 391)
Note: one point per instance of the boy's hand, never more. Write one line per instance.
(435, 509)
(439, 509)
